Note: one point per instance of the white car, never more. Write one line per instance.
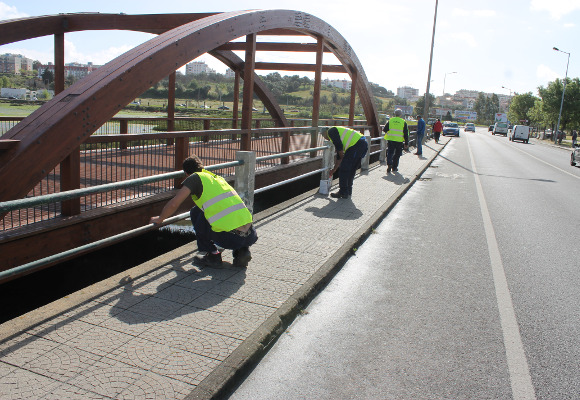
(575, 156)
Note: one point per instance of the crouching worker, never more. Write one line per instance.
(219, 217)
(351, 147)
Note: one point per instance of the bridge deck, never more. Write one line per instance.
(169, 329)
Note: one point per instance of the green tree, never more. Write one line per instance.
(420, 106)
(552, 98)
(47, 76)
(520, 106)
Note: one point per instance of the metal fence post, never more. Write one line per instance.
(327, 159)
(245, 177)
(367, 158)
(383, 153)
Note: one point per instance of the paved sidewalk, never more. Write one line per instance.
(168, 329)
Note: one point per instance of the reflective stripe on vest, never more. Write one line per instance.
(348, 137)
(221, 205)
(396, 130)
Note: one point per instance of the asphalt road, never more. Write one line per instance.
(469, 289)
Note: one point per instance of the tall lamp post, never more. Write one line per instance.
(447, 73)
(563, 91)
(510, 100)
(426, 103)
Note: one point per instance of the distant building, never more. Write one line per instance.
(407, 92)
(198, 67)
(74, 69)
(230, 73)
(14, 63)
(338, 83)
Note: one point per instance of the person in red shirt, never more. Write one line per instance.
(437, 129)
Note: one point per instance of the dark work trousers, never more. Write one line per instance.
(349, 165)
(394, 151)
(207, 238)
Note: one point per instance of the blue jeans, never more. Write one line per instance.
(207, 238)
(394, 151)
(420, 143)
(349, 165)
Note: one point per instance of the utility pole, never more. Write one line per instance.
(426, 102)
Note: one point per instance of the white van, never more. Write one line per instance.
(520, 132)
(500, 128)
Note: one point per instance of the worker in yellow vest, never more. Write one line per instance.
(397, 137)
(219, 217)
(351, 147)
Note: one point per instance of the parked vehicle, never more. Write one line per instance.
(520, 132)
(490, 128)
(450, 128)
(223, 108)
(575, 156)
(469, 127)
(500, 128)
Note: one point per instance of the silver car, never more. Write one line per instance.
(575, 156)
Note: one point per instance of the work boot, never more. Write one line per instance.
(242, 257)
(388, 169)
(338, 195)
(209, 259)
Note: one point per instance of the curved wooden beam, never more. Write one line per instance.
(73, 115)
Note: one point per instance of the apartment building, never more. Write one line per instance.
(14, 63)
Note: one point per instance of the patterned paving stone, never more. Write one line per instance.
(93, 312)
(69, 392)
(62, 362)
(179, 294)
(5, 369)
(214, 302)
(194, 317)
(250, 311)
(99, 340)
(61, 329)
(23, 384)
(141, 353)
(237, 328)
(196, 341)
(107, 377)
(25, 348)
(153, 386)
(186, 367)
(283, 274)
(201, 283)
(157, 308)
(121, 298)
(128, 322)
(158, 280)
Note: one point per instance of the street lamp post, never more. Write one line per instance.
(426, 103)
(447, 73)
(563, 91)
(510, 100)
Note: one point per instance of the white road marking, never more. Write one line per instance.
(545, 162)
(521, 381)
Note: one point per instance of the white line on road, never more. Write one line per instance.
(521, 381)
(545, 162)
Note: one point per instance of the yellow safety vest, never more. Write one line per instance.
(395, 132)
(348, 136)
(222, 206)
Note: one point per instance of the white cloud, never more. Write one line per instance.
(458, 12)
(556, 8)
(9, 12)
(569, 25)
(464, 37)
(98, 58)
(546, 74)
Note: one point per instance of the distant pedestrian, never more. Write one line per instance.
(351, 146)
(574, 138)
(219, 217)
(397, 137)
(437, 129)
(420, 135)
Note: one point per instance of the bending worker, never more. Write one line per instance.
(219, 217)
(397, 137)
(351, 147)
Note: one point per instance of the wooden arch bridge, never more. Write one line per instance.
(57, 147)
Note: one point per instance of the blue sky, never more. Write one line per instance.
(489, 44)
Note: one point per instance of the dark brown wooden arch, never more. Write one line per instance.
(73, 115)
